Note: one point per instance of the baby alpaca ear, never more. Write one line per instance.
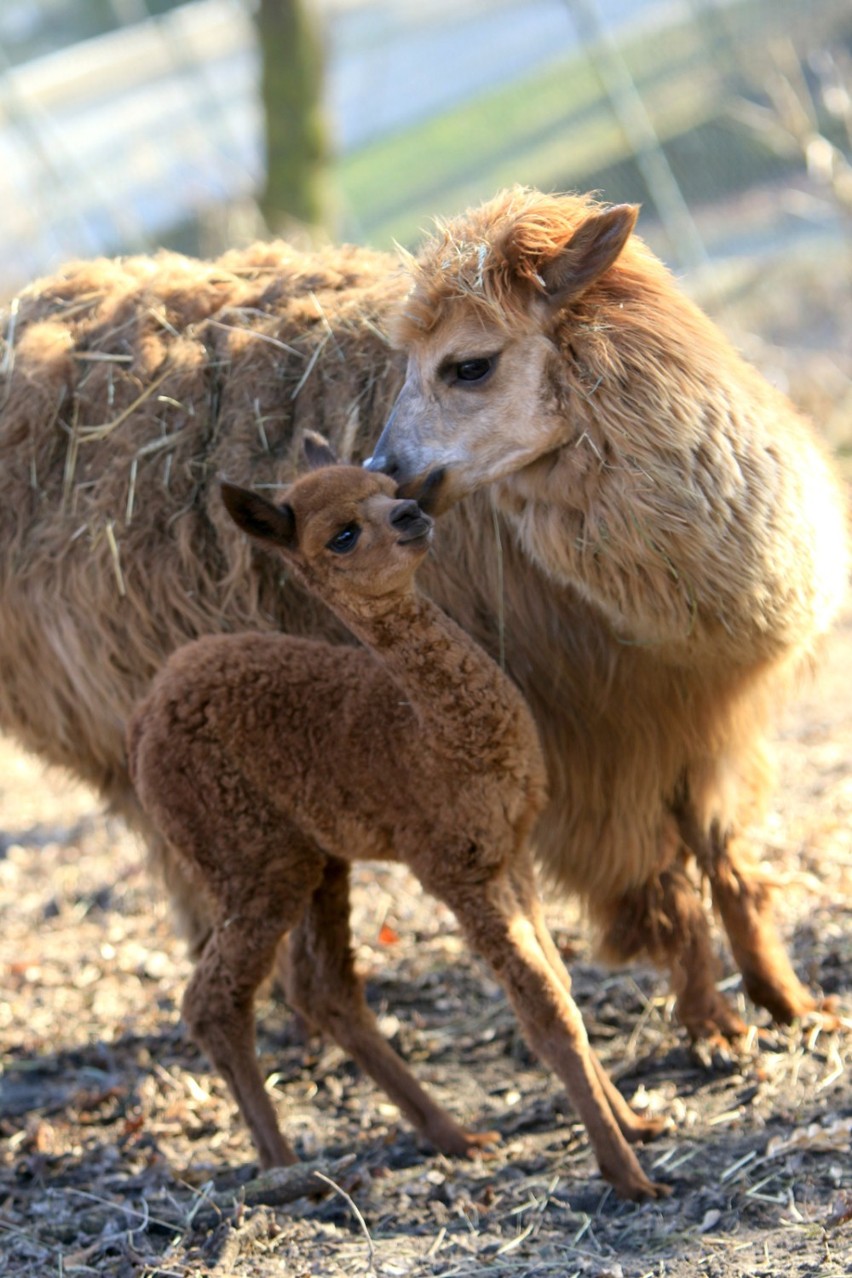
(590, 252)
(317, 451)
(259, 517)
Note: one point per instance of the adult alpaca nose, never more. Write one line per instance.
(384, 457)
(384, 462)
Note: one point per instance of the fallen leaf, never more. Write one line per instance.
(841, 1212)
(834, 1136)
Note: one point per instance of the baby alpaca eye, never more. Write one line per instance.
(344, 541)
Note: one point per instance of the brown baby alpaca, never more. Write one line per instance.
(270, 762)
(650, 581)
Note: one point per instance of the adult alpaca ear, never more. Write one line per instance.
(591, 251)
(259, 517)
(317, 451)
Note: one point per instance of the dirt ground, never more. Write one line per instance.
(122, 1153)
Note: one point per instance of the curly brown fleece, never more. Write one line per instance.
(270, 762)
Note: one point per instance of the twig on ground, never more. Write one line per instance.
(353, 1207)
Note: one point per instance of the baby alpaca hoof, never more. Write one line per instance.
(635, 1186)
(482, 1144)
(275, 1151)
(278, 1160)
(457, 1142)
(645, 1129)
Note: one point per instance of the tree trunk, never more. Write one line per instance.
(296, 135)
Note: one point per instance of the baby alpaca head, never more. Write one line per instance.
(342, 529)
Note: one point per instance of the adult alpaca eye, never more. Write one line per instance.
(345, 540)
(475, 370)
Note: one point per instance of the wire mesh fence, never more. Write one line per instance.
(129, 123)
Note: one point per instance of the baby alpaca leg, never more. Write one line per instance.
(322, 985)
(665, 918)
(497, 927)
(255, 872)
(743, 901)
(257, 902)
(633, 1126)
(218, 1008)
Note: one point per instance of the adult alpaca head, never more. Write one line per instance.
(640, 460)
(491, 294)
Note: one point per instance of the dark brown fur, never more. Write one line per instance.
(269, 763)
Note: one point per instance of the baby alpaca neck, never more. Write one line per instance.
(447, 678)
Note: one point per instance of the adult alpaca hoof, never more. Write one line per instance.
(712, 1019)
(785, 1001)
(656, 1189)
(825, 1015)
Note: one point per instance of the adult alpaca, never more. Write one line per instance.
(271, 762)
(127, 386)
(696, 525)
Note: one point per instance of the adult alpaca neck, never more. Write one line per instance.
(687, 501)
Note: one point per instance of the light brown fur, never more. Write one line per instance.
(269, 763)
(126, 386)
(693, 524)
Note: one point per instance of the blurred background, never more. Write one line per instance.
(126, 125)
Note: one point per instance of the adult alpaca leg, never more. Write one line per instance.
(665, 919)
(190, 909)
(743, 901)
(321, 983)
